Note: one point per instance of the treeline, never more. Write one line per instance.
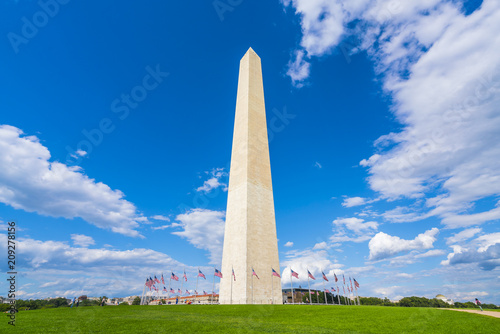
(35, 304)
(422, 302)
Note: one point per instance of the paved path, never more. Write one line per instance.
(490, 313)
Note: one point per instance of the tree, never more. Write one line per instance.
(136, 301)
(123, 304)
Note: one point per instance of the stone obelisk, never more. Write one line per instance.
(250, 234)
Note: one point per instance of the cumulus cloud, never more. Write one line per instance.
(289, 244)
(356, 225)
(214, 181)
(484, 250)
(56, 268)
(414, 257)
(160, 217)
(47, 255)
(462, 235)
(161, 227)
(352, 230)
(298, 69)
(383, 245)
(441, 68)
(204, 229)
(353, 201)
(82, 240)
(35, 184)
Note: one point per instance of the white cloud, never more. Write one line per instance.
(403, 215)
(353, 201)
(322, 24)
(205, 230)
(356, 225)
(383, 245)
(484, 250)
(463, 235)
(34, 184)
(58, 269)
(318, 165)
(289, 244)
(449, 143)
(160, 217)
(47, 255)
(320, 245)
(352, 230)
(214, 182)
(161, 227)
(298, 70)
(413, 257)
(82, 240)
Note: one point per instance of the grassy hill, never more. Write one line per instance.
(248, 319)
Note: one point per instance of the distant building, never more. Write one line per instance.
(444, 299)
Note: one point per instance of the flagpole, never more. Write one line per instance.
(272, 286)
(291, 284)
(182, 279)
(143, 289)
(338, 294)
(324, 289)
(213, 289)
(197, 276)
(309, 286)
(252, 285)
(169, 280)
(232, 271)
(357, 297)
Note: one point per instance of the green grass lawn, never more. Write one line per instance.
(249, 318)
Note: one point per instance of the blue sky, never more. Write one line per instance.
(116, 130)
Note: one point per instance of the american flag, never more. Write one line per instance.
(162, 280)
(336, 279)
(218, 273)
(356, 284)
(172, 290)
(294, 274)
(344, 290)
(333, 289)
(148, 284)
(327, 291)
(343, 277)
(324, 276)
(195, 292)
(200, 274)
(179, 291)
(154, 287)
(253, 273)
(187, 292)
(204, 292)
(275, 273)
(157, 280)
(165, 289)
(185, 277)
(175, 278)
(310, 275)
(234, 276)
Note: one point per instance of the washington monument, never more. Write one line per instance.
(250, 240)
